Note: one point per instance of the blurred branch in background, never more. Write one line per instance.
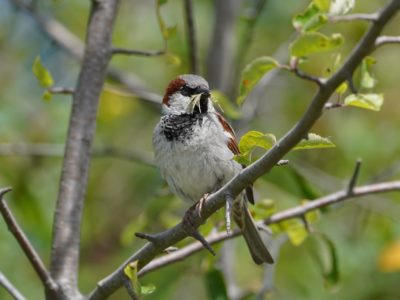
(57, 150)
(75, 47)
(10, 288)
(221, 50)
(191, 38)
(25, 245)
(384, 40)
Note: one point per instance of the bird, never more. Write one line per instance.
(194, 149)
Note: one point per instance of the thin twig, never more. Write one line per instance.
(10, 288)
(61, 90)
(354, 17)
(384, 40)
(191, 37)
(334, 198)
(24, 243)
(126, 51)
(57, 150)
(354, 177)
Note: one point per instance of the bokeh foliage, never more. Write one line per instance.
(128, 196)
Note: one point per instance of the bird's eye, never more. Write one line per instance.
(186, 90)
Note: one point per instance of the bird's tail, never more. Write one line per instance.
(243, 219)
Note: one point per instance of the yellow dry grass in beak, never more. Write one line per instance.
(194, 100)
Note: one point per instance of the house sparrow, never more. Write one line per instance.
(194, 148)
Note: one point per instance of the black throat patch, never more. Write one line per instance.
(180, 127)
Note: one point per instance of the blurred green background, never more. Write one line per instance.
(128, 195)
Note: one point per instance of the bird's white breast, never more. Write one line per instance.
(199, 164)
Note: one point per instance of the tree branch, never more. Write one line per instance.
(248, 175)
(57, 150)
(68, 213)
(63, 37)
(191, 37)
(25, 245)
(354, 17)
(384, 40)
(125, 51)
(10, 288)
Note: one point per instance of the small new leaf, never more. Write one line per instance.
(251, 140)
(131, 272)
(315, 42)
(42, 74)
(147, 289)
(311, 19)
(314, 141)
(368, 101)
(252, 73)
(295, 230)
(341, 7)
(367, 81)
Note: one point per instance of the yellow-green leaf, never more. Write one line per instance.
(368, 101)
(251, 140)
(227, 107)
(252, 73)
(367, 81)
(311, 19)
(315, 42)
(42, 74)
(173, 59)
(147, 289)
(131, 272)
(341, 7)
(263, 208)
(47, 96)
(295, 230)
(323, 5)
(314, 141)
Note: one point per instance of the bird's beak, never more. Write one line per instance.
(201, 94)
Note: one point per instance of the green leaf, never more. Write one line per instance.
(227, 107)
(323, 5)
(131, 272)
(161, 2)
(263, 208)
(314, 141)
(368, 101)
(323, 251)
(295, 230)
(341, 7)
(310, 20)
(251, 140)
(42, 74)
(215, 285)
(252, 73)
(367, 81)
(173, 59)
(47, 96)
(315, 42)
(147, 289)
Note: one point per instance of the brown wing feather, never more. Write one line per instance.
(233, 146)
(232, 143)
